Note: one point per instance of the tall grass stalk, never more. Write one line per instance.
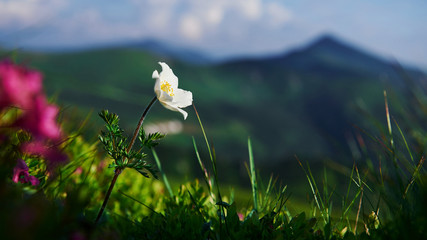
(253, 176)
(165, 178)
(404, 140)
(206, 176)
(387, 111)
(360, 185)
(397, 169)
(315, 191)
(414, 176)
(212, 156)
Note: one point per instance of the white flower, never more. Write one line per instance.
(168, 93)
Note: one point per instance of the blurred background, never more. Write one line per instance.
(300, 78)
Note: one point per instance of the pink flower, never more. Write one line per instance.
(241, 217)
(20, 174)
(22, 88)
(18, 85)
(78, 171)
(40, 120)
(52, 154)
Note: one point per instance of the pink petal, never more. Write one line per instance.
(34, 148)
(33, 180)
(18, 85)
(51, 153)
(40, 120)
(20, 173)
(48, 125)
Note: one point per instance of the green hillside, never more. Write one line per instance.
(304, 103)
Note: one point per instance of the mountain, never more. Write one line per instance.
(323, 85)
(153, 46)
(305, 102)
(325, 54)
(161, 49)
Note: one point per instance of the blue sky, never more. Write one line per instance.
(390, 28)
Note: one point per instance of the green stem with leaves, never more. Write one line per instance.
(118, 171)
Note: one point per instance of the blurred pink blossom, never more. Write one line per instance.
(20, 174)
(52, 154)
(40, 120)
(22, 88)
(78, 171)
(18, 85)
(241, 217)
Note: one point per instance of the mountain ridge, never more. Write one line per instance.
(322, 44)
(162, 49)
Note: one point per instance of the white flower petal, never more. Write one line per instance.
(157, 89)
(155, 74)
(184, 113)
(161, 95)
(174, 108)
(168, 75)
(182, 98)
(164, 97)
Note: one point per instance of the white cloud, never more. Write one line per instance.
(214, 15)
(84, 26)
(24, 13)
(221, 27)
(278, 14)
(252, 9)
(205, 19)
(190, 27)
(193, 21)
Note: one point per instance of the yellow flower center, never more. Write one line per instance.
(167, 88)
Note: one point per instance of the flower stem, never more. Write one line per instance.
(120, 170)
(107, 196)
(135, 134)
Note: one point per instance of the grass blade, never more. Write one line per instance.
(253, 176)
(213, 160)
(159, 166)
(136, 200)
(387, 112)
(314, 190)
(204, 170)
(404, 140)
(204, 134)
(414, 175)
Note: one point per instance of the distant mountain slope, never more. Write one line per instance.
(164, 50)
(320, 88)
(304, 102)
(324, 55)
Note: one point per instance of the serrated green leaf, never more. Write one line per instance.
(143, 173)
(150, 140)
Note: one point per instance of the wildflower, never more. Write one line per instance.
(18, 85)
(40, 120)
(51, 154)
(78, 171)
(168, 93)
(20, 174)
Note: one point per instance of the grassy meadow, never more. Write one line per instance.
(326, 142)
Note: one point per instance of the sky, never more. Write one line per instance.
(393, 29)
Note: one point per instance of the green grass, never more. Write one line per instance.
(374, 202)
